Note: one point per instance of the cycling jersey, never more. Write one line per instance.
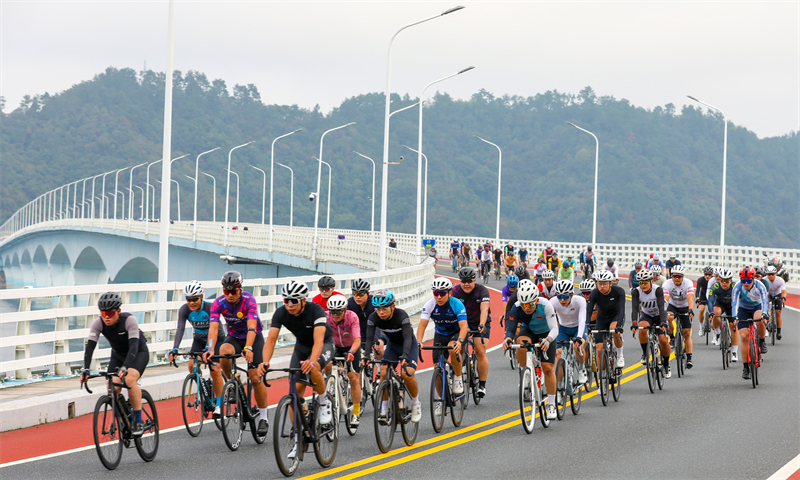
(632, 283)
(124, 338)
(659, 281)
(465, 249)
(650, 303)
(362, 313)
(199, 321)
(396, 328)
(485, 256)
(498, 255)
(754, 298)
(236, 316)
(506, 292)
(541, 321)
(546, 292)
(472, 302)
(701, 290)
(454, 246)
(322, 301)
(539, 270)
(508, 250)
(553, 263)
(671, 263)
(547, 253)
(678, 295)
(346, 331)
(445, 317)
(523, 254)
(652, 262)
(566, 273)
(777, 286)
(610, 307)
(613, 269)
(718, 297)
(573, 315)
(512, 302)
(587, 257)
(510, 260)
(303, 325)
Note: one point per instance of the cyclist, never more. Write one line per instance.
(450, 320)
(361, 304)
(475, 298)
(749, 301)
(539, 270)
(511, 286)
(547, 253)
(671, 263)
(129, 353)
(701, 291)
(498, 258)
(777, 295)
(547, 288)
(719, 299)
(648, 309)
(610, 302)
(326, 286)
(485, 260)
(522, 272)
(609, 266)
(658, 279)
(198, 312)
(566, 272)
(523, 256)
(778, 263)
(587, 262)
(679, 295)
(632, 282)
(400, 344)
(761, 277)
(346, 343)
(571, 312)
(553, 262)
(240, 311)
(538, 324)
(455, 247)
(466, 250)
(510, 260)
(655, 259)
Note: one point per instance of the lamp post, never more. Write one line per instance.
(214, 201)
(330, 176)
(499, 178)
(596, 169)
(83, 200)
(147, 199)
(93, 179)
(196, 174)
(103, 209)
(179, 197)
(116, 185)
(385, 176)
(141, 211)
(424, 193)
(231, 172)
(228, 193)
(152, 204)
(291, 197)
(372, 228)
(130, 201)
(319, 179)
(419, 153)
(271, 176)
(263, 193)
(724, 179)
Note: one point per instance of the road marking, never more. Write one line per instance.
(788, 470)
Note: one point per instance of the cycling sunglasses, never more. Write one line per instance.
(108, 313)
(747, 281)
(677, 276)
(440, 293)
(325, 289)
(563, 297)
(529, 305)
(291, 301)
(192, 299)
(337, 312)
(586, 294)
(706, 274)
(467, 281)
(231, 292)
(359, 294)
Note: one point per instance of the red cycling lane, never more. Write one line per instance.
(76, 433)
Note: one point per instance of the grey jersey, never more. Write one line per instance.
(648, 302)
(678, 294)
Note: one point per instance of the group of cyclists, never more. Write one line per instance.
(540, 306)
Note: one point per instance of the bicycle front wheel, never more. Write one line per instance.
(107, 433)
(192, 405)
(527, 408)
(474, 379)
(408, 427)
(753, 360)
(652, 366)
(561, 388)
(232, 415)
(679, 352)
(255, 418)
(385, 419)
(327, 437)
(603, 374)
(284, 437)
(615, 388)
(438, 405)
(147, 444)
(725, 346)
(459, 403)
(577, 393)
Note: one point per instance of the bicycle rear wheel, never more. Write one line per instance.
(602, 373)
(437, 400)
(753, 360)
(561, 388)
(147, 444)
(679, 351)
(652, 366)
(725, 346)
(284, 437)
(541, 405)
(408, 428)
(615, 389)
(384, 423)
(348, 397)
(773, 325)
(459, 404)
(192, 405)
(107, 433)
(327, 437)
(527, 409)
(232, 415)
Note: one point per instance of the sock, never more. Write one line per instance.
(219, 401)
(779, 329)
(619, 351)
(137, 416)
(551, 399)
(644, 348)
(415, 400)
(734, 349)
(665, 361)
(482, 383)
(264, 414)
(323, 399)
(717, 331)
(384, 405)
(356, 409)
(688, 357)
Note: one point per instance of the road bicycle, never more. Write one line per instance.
(655, 372)
(112, 423)
(567, 380)
(338, 386)
(608, 374)
(705, 322)
(454, 262)
(469, 365)
(297, 426)
(512, 359)
(369, 382)
(591, 361)
(497, 272)
(485, 268)
(772, 323)
(442, 396)
(532, 390)
(588, 270)
(197, 396)
(238, 409)
(725, 340)
(754, 350)
(393, 391)
(680, 347)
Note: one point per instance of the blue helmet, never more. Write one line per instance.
(382, 298)
(513, 281)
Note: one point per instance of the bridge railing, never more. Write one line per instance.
(77, 305)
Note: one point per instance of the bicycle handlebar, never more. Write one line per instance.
(528, 346)
(102, 374)
(440, 347)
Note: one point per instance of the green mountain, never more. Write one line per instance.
(659, 182)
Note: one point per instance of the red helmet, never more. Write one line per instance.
(747, 272)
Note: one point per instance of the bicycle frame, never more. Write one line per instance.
(443, 362)
(119, 410)
(299, 418)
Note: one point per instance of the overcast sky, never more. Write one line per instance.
(743, 57)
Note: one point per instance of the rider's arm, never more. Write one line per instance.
(590, 304)
(462, 335)
(183, 313)
(320, 328)
(484, 312)
(552, 321)
(370, 339)
(424, 318)
(737, 291)
(620, 316)
(511, 323)
(213, 325)
(423, 324)
(711, 297)
(581, 321)
(269, 345)
(764, 297)
(355, 327)
(635, 304)
(94, 337)
(408, 337)
(132, 326)
(253, 320)
(662, 309)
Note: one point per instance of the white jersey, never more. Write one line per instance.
(777, 286)
(573, 315)
(648, 302)
(678, 295)
(485, 256)
(547, 293)
(612, 270)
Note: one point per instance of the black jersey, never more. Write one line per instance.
(362, 313)
(302, 326)
(124, 337)
(472, 302)
(397, 329)
(701, 291)
(610, 308)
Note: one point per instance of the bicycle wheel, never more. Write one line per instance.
(255, 416)
(725, 346)
(284, 437)
(192, 405)
(577, 393)
(437, 400)
(459, 404)
(232, 415)
(384, 423)
(347, 395)
(561, 388)
(527, 409)
(602, 373)
(107, 433)
(147, 444)
(679, 352)
(511, 357)
(540, 402)
(652, 366)
(408, 428)
(753, 361)
(474, 379)
(327, 438)
(617, 377)
(773, 325)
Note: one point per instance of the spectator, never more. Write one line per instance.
(392, 243)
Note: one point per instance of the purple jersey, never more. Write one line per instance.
(236, 316)
(506, 293)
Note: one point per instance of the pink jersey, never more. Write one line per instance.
(346, 331)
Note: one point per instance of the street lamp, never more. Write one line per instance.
(291, 197)
(330, 176)
(419, 153)
(596, 167)
(179, 197)
(263, 193)
(196, 173)
(141, 211)
(93, 179)
(130, 202)
(271, 176)
(385, 177)
(372, 228)
(319, 179)
(424, 193)
(499, 177)
(724, 179)
(103, 208)
(228, 193)
(214, 201)
(237, 196)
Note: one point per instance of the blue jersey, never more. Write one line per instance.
(445, 317)
(454, 247)
(755, 298)
(236, 316)
(523, 254)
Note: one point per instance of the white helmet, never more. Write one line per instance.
(656, 269)
(771, 270)
(525, 282)
(587, 285)
(440, 283)
(294, 289)
(678, 269)
(548, 274)
(193, 289)
(337, 302)
(564, 287)
(725, 273)
(603, 276)
(527, 293)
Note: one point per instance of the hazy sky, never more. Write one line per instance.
(743, 57)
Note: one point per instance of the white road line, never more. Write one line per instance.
(787, 470)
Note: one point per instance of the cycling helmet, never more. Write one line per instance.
(610, 262)
(644, 276)
(589, 248)
(382, 298)
(656, 257)
(549, 245)
(521, 270)
(548, 274)
(747, 272)
(637, 264)
(726, 274)
(326, 281)
(564, 287)
(441, 283)
(360, 285)
(587, 285)
(109, 301)
(512, 281)
(603, 276)
(294, 289)
(770, 270)
(541, 260)
(708, 269)
(678, 269)
(337, 302)
(466, 273)
(232, 280)
(777, 261)
(193, 289)
(672, 256)
(759, 271)
(527, 293)
(656, 269)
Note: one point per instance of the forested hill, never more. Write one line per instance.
(660, 170)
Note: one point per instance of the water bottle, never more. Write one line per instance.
(539, 377)
(207, 391)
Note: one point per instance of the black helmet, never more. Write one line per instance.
(232, 280)
(466, 273)
(520, 270)
(360, 285)
(708, 269)
(610, 262)
(326, 281)
(109, 301)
